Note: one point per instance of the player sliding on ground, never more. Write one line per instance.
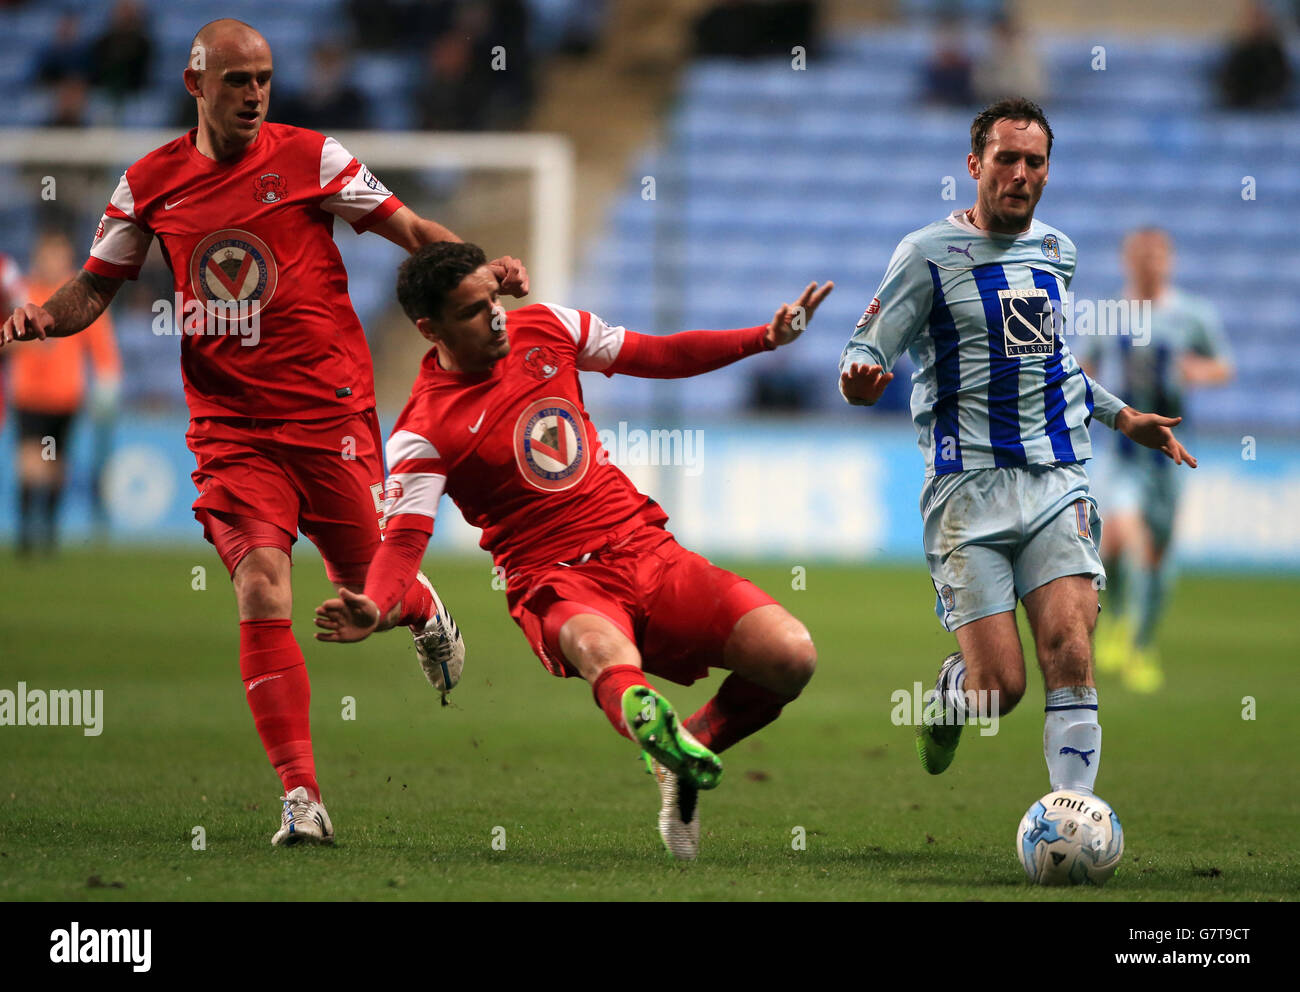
(1002, 410)
(277, 374)
(599, 587)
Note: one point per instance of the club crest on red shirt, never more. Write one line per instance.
(269, 187)
(541, 363)
(550, 446)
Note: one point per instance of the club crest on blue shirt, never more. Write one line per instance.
(1052, 248)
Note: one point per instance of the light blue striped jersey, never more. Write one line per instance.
(980, 316)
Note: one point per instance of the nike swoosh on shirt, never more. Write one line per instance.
(176, 203)
(478, 423)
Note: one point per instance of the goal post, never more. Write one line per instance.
(546, 158)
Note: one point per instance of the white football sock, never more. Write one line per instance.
(1072, 738)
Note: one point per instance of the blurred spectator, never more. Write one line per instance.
(330, 102)
(479, 72)
(67, 56)
(48, 387)
(451, 96)
(71, 103)
(948, 71)
(390, 24)
(783, 387)
(1011, 67)
(1256, 74)
(569, 27)
(121, 55)
(750, 28)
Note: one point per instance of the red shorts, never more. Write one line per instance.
(677, 607)
(261, 481)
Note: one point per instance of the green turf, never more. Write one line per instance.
(1207, 799)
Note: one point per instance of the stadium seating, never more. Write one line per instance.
(767, 177)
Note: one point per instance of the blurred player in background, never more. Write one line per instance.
(48, 389)
(1187, 347)
(280, 388)
(1002, 410)
(599, 587)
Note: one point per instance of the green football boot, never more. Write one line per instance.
(656, 728)
(936, 737)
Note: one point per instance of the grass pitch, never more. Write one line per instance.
(419, 793)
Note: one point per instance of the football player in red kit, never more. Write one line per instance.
(276, 370)
(600, 588)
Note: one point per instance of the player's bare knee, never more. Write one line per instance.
(592, 651)
(795, 659)
(1066, 658)
(261, 591)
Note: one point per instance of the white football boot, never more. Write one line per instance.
(439, 646)
(679, 814)
(303, 821)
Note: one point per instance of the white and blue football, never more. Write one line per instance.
(1070, 838)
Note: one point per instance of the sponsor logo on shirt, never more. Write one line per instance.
(550, 445)
(1027, 327)
(233, 265)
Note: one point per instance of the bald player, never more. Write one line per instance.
(277, 374)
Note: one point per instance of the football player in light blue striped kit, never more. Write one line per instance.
(1002, 410)
(1184, 345)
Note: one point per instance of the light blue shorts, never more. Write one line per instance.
(1147, 488)
(994, 534)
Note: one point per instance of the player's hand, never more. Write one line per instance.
(863, 384)
(1153, 431)
(511, 274)
(791, 319)
(26, 323)
(351, 617)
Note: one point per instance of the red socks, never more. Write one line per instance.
(279, 694)
(739, 709)
(416, 606)
(609, 688)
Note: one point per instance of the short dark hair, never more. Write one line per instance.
(1015, 108)
(433, 271)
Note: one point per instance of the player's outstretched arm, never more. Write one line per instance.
(862, 385)
(74, 306)
(407, 229)
(692, 353)
(1153, 431)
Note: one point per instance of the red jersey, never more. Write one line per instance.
(255, 233)
(514, 447)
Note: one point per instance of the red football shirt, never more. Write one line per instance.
(255, 232)
(514, 447)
